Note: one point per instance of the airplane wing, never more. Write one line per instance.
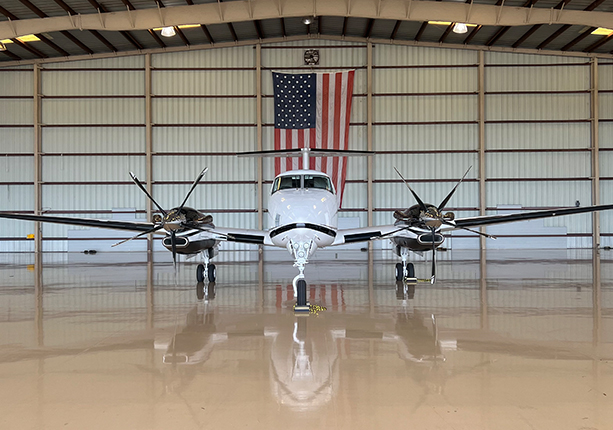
(522, 216)
(240, 235)
(364, 234)
(134, 226)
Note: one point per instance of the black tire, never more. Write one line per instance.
(302, 293)
(410, 270)
(399, 272)
(200, 273)
(212, 272)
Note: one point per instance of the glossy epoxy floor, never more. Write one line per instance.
(507, 340)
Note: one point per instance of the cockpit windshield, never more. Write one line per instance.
(302, 181)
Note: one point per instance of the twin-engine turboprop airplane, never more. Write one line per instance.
(303, 215)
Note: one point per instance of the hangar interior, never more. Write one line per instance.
(515, 333)
(536, 130)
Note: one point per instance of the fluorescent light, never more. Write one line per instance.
(460, 28)
(28, 38)
(602, 31)
(2, 47)
(168, 31)
(448, 23)
(180, 26)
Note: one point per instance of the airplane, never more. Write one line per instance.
(303, 214)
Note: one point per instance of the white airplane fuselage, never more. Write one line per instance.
(301, 215)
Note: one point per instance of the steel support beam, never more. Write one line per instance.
(595, 147)
(369, 121)
(481, 119)
(38, 170)
(260, 169)
(148, 145)
(239, 11)
(575, 54)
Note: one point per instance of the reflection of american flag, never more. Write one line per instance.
(331, 296)
(313, 110)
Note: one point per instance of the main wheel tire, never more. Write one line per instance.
(410, 270)
(212, 272)
(200, 273)
(302, 293)
(399, 272)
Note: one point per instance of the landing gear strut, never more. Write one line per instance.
(206, 270)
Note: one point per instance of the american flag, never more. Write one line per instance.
(312, 110)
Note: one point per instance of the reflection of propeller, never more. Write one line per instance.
(172, 220)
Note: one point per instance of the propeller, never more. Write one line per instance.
(433, 217)
(171, 220)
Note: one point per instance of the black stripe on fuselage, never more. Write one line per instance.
(316, 227)
(245, 238)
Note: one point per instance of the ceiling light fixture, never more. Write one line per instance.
(460, 28)
(168, 31)
(2, 47)
(308, 20)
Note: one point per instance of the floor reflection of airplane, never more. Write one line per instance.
(303, 215)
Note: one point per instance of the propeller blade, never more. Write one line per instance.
(446, 200)
(198, 179)
(433, 256)
(489, 236)
(137, 236)
(144, 190)
(173, 242)
(419, 201)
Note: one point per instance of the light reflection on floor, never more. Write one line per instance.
(511, 339)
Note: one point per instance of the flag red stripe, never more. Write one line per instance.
(324, 115)
(313, 142)
(277, 147)
(300, 145)
(337, 124)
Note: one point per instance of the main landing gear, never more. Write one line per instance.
(405, 271)
(206, 270)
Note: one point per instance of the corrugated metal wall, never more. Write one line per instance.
(425, 108)
(425, 120)
(16, 156)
